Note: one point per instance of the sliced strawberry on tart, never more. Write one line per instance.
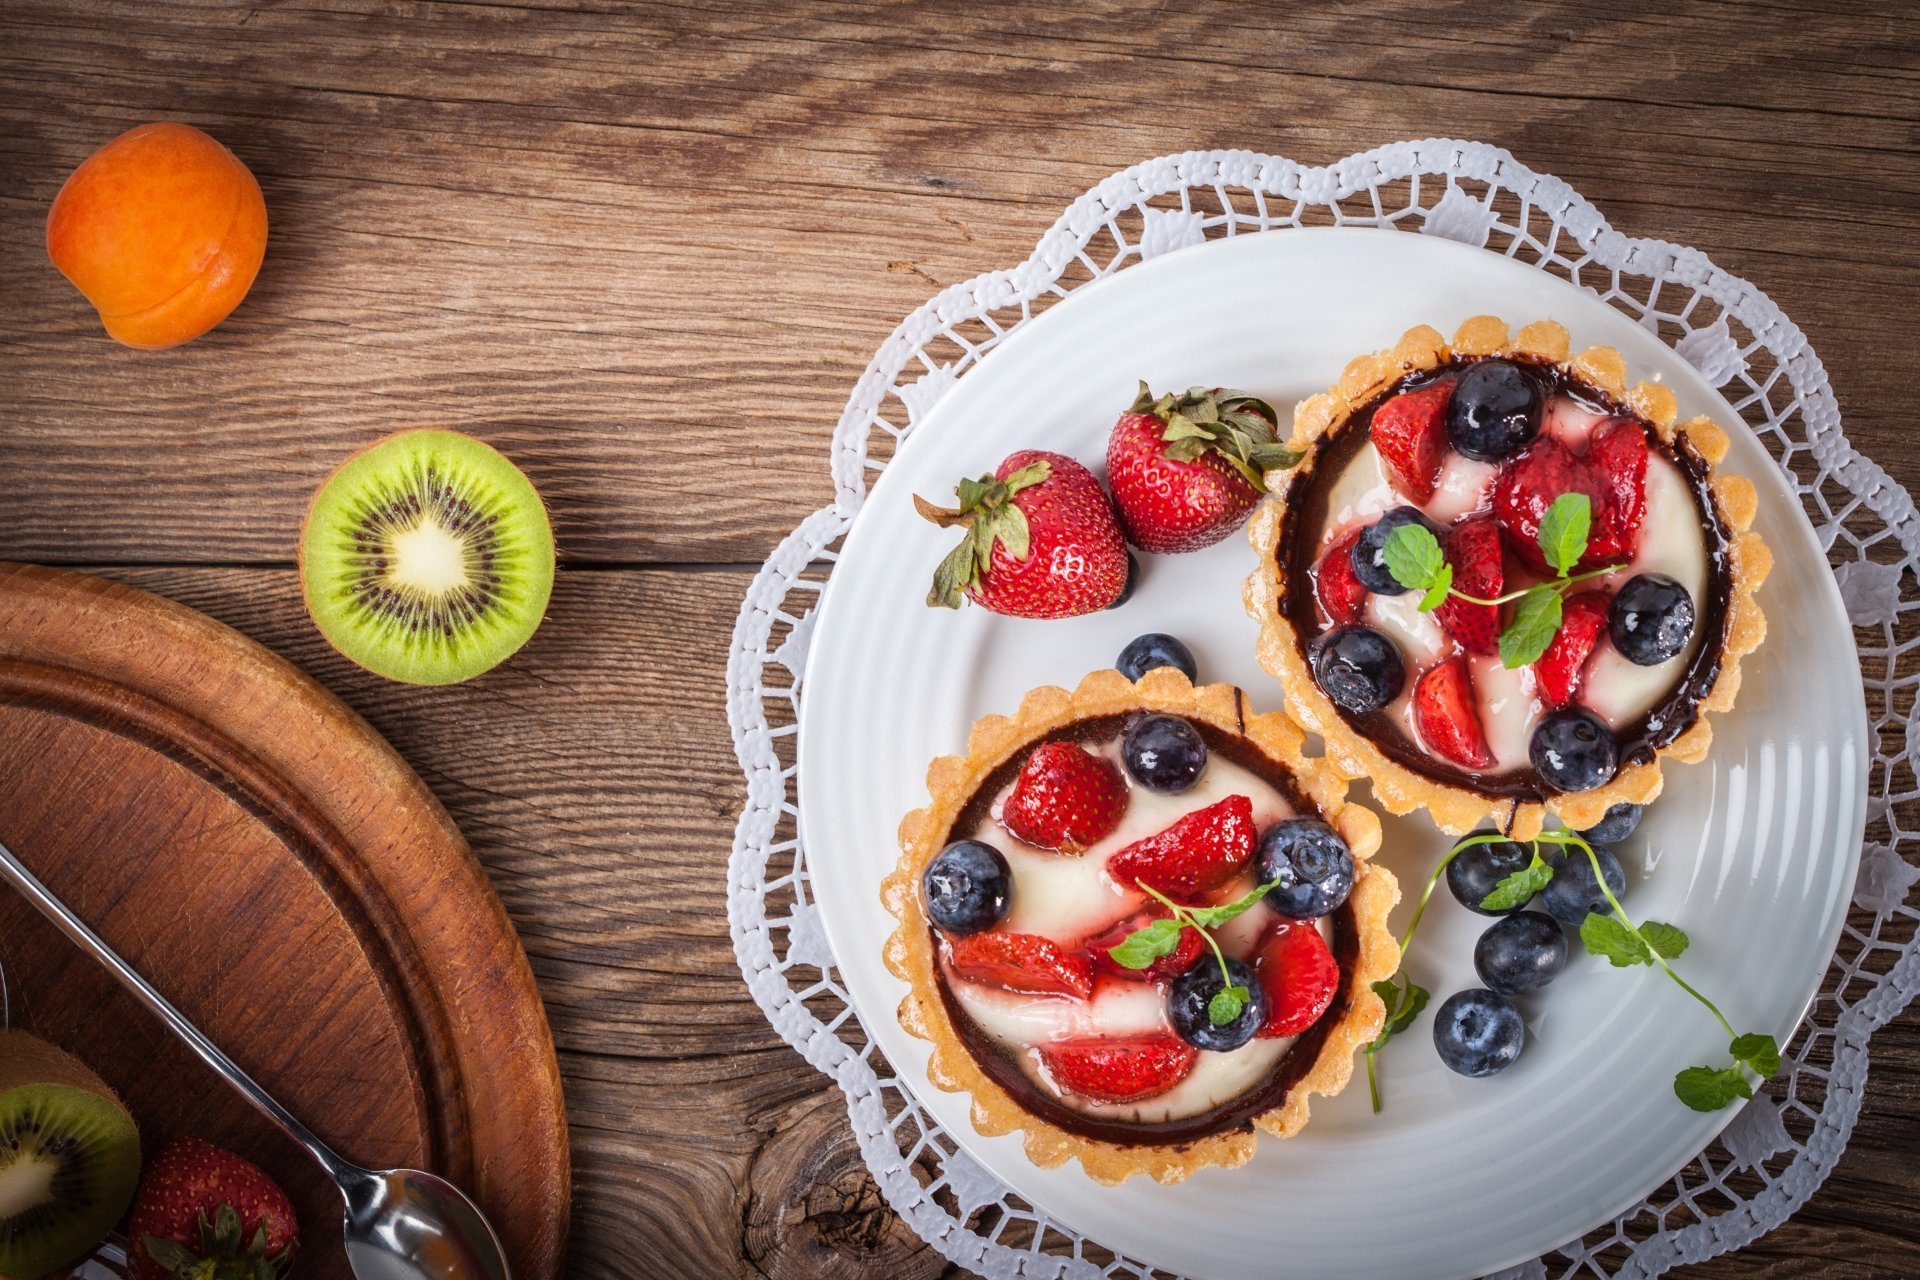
(1502, 583)
(1140, 984)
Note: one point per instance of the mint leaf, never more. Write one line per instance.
(1536, 619)
(1607, 937)
(1146, 944)
(1214, 917)
(1564, 530)
(1414, 557)
(1705, 1089)
(1404, 999)
(1518, 889)
(1227, 1004)
(1437, 593)
(1667, 941)
(1759, 1052)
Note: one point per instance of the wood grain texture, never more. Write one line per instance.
(248, 844)
(646, 249)
(605, 239)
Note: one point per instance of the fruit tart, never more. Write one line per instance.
(1139, 924)
(1502, 582)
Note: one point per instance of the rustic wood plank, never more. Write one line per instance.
(630, 247)
(592, 775)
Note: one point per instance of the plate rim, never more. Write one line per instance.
(914, 1078)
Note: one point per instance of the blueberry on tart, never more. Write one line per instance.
(1502, 582)
(1139, 925)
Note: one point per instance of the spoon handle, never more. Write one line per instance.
(87, 940)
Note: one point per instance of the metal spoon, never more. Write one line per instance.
(401, 1224)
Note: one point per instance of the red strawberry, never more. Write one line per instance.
(1473, 549)
(1410, 432)
(1023, 962)
(1065, 798)
(1176, 962)
(1340, 594)
(1120, 1070)
(1199, 853)
(1583, 619)
(1445, 715)
(1527, 487)
(1185, 470)
(1041, 541)
(208, 1214)
(1617, 452)
(1299, 975)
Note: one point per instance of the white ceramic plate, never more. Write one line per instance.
(1752, 852)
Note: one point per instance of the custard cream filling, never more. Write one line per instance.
(1618, 691)
(1071, 898)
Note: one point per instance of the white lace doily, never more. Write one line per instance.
(1782, 1145)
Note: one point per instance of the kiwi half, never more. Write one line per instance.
(69, 1157)
(427, 557)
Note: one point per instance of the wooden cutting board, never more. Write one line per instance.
(270, 863)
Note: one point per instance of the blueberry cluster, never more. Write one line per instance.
(1479, 1032)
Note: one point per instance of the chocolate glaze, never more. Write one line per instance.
(1306, 512)
(1234, 1114)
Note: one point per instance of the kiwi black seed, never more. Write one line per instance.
(69, 1157)
(427, 558)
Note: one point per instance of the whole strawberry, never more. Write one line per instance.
(1185, 470)
(1041, 541)
(207, 1214)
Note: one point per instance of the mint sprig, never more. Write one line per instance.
(1146, 944)
(1162, 937)
(1404, 999)
(1612, 936)
(1415, 559)
(1657, 944)
(1405, 1004)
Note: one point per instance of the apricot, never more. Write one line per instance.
(163, 230)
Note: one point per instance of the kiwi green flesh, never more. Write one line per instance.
(427, 558)
(69, 1161)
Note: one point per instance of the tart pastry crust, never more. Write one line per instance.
(954, 780)
(1281, 651)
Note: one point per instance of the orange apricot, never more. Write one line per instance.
(163, 230)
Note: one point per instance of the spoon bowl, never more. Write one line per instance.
(403, 1224)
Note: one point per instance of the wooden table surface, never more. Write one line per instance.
(645, 250)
